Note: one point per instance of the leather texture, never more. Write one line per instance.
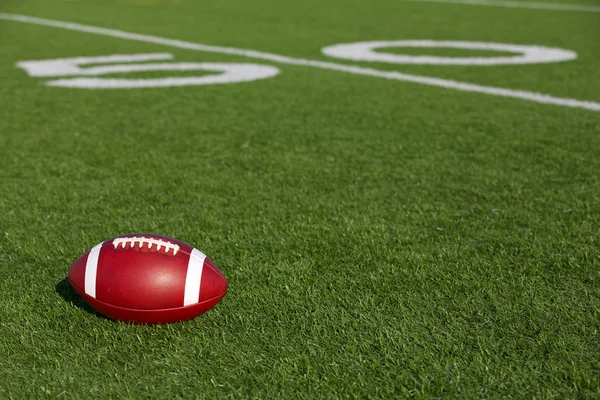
(136, 281)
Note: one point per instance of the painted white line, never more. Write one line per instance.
(229, 73)
(519, 4)
(91, 270)
(392, 75)
(193, 278)
(365, 51)
(61, 67)
(71, 66)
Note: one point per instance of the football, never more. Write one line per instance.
(147, 279)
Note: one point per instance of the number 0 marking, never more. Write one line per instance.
(365, 51)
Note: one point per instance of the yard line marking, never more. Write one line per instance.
(518, 4)
(392, 75)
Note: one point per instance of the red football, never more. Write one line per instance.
(147, 279)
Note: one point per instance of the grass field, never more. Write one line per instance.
(382, 238)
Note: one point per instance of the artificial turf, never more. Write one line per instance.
(381, 239)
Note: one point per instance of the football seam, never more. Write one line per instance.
(222, 294)
(181, 248)
(215, 270)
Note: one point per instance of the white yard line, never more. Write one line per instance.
(391, 75)
(519, 4)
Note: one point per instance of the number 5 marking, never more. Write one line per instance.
(60, 67)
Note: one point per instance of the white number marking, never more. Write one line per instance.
(228, 72)
(351, 69)
(72, 66)
(365, 51)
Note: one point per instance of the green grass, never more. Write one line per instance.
(382, 239)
